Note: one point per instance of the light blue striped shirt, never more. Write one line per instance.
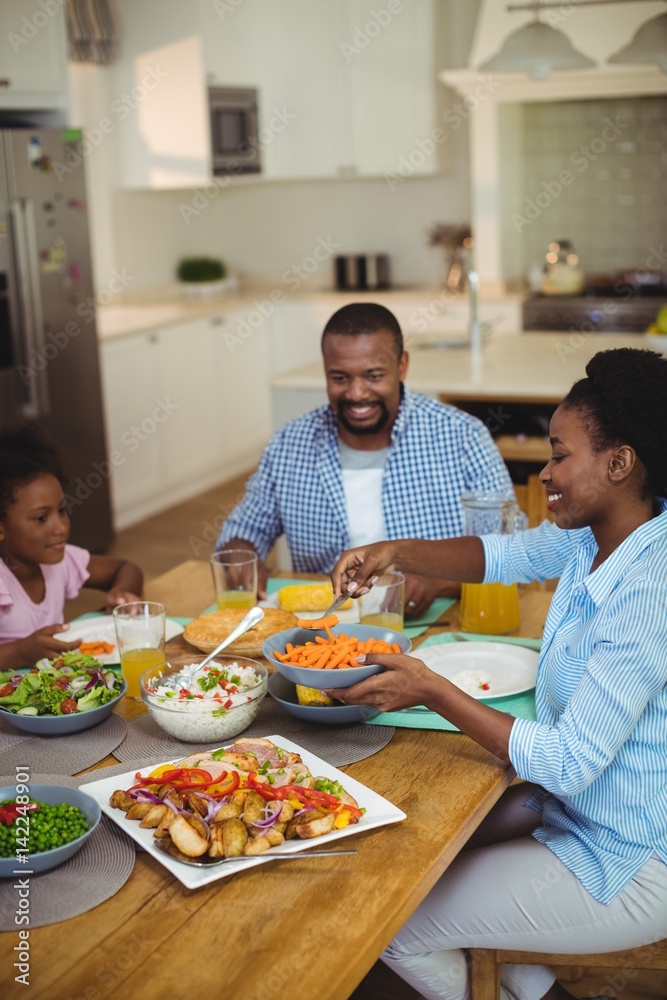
(599, 746)
(436, 453)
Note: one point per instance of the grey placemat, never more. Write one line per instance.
(10, 736)
(335, 744)
(94, 874)
(69, 754)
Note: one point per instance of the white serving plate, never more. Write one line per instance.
(511, 669)
(348, 617)
(102, 629)
(379, 812)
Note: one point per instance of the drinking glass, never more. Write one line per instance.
(383, 604)
(235, 578)
(140, 634)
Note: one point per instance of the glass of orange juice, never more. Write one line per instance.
(383, 604)
(140, 634)
(235, 578)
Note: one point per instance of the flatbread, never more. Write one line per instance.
(207, 631)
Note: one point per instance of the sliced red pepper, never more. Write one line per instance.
(351, 809)
(9, 813)
(179, 777)
(266, 790)
(224, 785)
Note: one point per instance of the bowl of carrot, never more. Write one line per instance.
(322, 654)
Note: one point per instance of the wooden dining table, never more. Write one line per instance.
(307, 928)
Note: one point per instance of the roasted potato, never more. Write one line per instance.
(195, 802)
(186, 838)
(258, 845)
(234, 838)
(121, 800)
(274, 836)
(310, 824)
(286, 810)
(155, 816)
(230, 810)
(253, 808)
(139, 810)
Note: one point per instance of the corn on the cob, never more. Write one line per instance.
(308, 597)
(311, 696)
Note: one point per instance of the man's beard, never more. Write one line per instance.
(379, 424)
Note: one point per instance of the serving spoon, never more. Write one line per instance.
(253, 618)
(206, 862)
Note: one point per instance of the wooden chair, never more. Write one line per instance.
(485, 967)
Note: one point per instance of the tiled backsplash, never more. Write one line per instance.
(612, 202)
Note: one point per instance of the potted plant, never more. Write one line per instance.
(202, 276)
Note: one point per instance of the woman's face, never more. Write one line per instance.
(576, 478)
(36, 526)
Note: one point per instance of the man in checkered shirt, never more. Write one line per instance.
(378, 461)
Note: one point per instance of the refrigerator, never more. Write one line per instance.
(49, 364)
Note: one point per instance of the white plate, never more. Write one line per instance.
(102, 629)
(511, 669)
(348, 617)
(379, 812)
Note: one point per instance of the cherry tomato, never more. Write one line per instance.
(67, 706)
(6, 689)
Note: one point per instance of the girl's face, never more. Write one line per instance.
(36, 526)
(576, 478)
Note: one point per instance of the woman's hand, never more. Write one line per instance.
(42, 644)
(407, 681)
(357, 569)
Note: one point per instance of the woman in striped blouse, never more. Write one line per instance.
(584, 867)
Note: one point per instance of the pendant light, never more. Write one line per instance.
(648, 46)
(537, 49)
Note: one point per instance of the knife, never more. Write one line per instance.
(335, 605)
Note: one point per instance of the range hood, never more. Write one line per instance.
(491, 101)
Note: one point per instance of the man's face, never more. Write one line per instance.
(364, 376)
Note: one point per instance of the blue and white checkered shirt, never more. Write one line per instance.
(437, 452)
(599, 746)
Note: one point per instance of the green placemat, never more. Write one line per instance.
(521, 706)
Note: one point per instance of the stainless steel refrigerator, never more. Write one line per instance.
(49, 365)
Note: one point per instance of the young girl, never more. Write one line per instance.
(38, 569)
(593, 875)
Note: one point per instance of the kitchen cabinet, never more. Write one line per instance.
(187, 407)
(33, 57)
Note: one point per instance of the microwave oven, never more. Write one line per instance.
(234, 130)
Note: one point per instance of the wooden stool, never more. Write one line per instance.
(485, 965)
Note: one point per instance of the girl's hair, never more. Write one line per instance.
(25, 454)
(624, 399)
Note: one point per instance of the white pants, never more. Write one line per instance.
(506, 890)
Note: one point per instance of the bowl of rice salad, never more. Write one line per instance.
(200, 706)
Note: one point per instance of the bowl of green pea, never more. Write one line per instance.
(43, 827)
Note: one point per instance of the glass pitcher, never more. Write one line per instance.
(490, 608)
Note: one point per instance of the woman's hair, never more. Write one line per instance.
(624, 400)
(25, 454)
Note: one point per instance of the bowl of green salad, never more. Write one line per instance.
(45, 825)
(60, 696)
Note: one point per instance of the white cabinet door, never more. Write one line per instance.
(132, 406)
(33, 55)
(243, 398)
(189, 386)
(235, 40)
(393, 83)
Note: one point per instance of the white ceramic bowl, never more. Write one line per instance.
(320, 679)
(193, 721)
(53, 795)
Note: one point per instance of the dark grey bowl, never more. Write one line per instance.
(284, 692)
(309, 676)
(52, 795)
(61, 725)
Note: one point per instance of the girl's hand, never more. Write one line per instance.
(42, 645)
(357, 569)
(407, 681)
(115, 598)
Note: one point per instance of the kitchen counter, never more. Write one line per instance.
(165, 307)
(526, 367)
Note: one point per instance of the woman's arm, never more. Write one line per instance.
(408, 681)
(26, 652)
(121, 579)
(458, 559)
